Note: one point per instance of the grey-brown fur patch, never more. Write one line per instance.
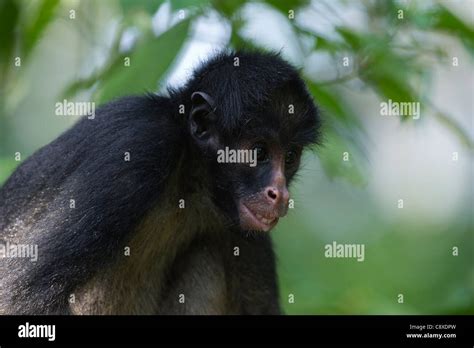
(135, 284)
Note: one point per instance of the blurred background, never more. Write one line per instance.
(354, 55)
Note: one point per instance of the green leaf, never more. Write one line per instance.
(389, 73)
(7, 166)
(343, 132)
(447, 21)
(285, 6)
(237, 41)
(328, 45)
(334, 105)
(147, 6)
(182, 4)
(9, 13)
(390, 87)
(227, 7)
(35, 27)
(331, 158)
(355, 41)
(441, 19)
(148, 62)
(456, 129)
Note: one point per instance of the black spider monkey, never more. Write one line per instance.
(169, 230)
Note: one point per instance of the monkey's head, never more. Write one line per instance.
(251, 117)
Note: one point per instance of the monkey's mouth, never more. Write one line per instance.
(250, 219)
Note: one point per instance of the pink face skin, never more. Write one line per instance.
(252, 220)
(260, 212)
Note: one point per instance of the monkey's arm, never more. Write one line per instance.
(78, 197)
(254, 274)
(233, 275)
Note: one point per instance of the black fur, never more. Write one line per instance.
(113, 196)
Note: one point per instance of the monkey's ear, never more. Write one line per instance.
(202, 117)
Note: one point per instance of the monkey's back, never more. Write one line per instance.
(77, 199)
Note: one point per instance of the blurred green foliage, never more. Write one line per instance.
(381, 62)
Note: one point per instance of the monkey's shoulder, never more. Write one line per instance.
(130, 147)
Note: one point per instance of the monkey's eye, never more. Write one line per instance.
(291, 157)
(262, 153)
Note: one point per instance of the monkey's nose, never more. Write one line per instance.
(278, 198)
